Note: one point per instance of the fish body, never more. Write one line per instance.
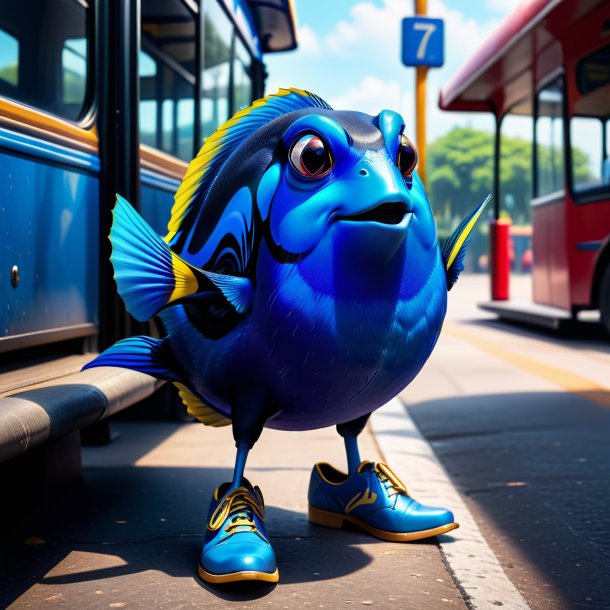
(301, 266)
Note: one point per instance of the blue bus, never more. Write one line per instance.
(98, 98)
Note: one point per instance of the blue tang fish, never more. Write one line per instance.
(301, 284)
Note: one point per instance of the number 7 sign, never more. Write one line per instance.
(422, 42)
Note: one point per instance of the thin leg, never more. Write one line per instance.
(350, 431)
(250, 412)
(236, 546)
(240, 464)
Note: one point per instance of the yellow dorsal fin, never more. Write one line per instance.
(205, 414)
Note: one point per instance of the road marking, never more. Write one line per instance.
(569, 381)
(473, 565)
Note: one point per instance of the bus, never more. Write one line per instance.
(98, 98)
(545, 76)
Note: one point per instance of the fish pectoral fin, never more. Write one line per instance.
(454, 249)
(142, 354)
(238, 291)
(150, 275)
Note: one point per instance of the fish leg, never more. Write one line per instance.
(248, 414)
(236, 546)
(350, 431)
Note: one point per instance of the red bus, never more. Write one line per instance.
(545, 75)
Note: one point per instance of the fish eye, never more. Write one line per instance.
(407, 156)
(310, 156)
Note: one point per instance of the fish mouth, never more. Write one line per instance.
(390, 213)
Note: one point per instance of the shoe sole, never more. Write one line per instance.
(245, 575)
(337, 521)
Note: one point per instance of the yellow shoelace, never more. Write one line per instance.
(385, 473)
(237, 503)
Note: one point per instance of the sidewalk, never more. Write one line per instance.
(130, 535)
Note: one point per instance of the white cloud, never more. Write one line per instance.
(374, 31)
(370, 95)
(370, 29)
(501, 7)
(309, 42)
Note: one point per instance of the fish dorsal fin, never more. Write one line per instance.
(454, 249)
(197, 408)
(216, 148)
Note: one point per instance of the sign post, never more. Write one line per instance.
(422, 47)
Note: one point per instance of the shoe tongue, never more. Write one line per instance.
(222, 490)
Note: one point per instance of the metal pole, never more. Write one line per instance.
(421, 73)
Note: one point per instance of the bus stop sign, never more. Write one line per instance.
(422, 42)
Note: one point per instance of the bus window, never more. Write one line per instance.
(242, 81)
(57, 79)
(586, 150)
(217, 67)
(9, 59)
(589, 131)
(516, 134)
(167, 78)
(74, 71)
(548, 135)
(147, 68)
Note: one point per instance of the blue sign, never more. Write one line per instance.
(422, 42)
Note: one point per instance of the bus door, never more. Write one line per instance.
(550, 266)
(49, 173)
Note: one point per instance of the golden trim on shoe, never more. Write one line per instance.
(250, 575)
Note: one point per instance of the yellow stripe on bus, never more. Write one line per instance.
(30, 117)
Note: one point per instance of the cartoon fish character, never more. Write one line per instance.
(301, 285)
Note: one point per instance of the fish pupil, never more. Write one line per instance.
(407, 157)
(315, 159)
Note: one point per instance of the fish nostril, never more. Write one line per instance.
(363, 172)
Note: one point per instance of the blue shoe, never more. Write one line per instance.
(236, 547)
(375, 500)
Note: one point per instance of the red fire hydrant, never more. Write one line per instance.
(500, 259)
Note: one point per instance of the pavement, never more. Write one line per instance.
(506, 425)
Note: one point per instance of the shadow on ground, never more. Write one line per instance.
(535, 468)
(141, 521)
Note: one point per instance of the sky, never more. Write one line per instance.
(349, 54)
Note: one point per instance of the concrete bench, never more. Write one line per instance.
(58, 406)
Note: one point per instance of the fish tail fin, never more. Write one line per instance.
(142, 354)
(148, 274)
(454, 249)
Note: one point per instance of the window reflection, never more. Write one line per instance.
(242, 81)
(217, 68)
(44, 54)
(549, 140)
(516, 132)
(74, 70)
(9, 58)
(167, 78)
(586, 150)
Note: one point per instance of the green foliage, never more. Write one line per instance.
(9, 74)
(460, 175)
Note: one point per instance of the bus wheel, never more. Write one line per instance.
(604, 300)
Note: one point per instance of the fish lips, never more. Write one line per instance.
(373, 237)
(390, 214)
